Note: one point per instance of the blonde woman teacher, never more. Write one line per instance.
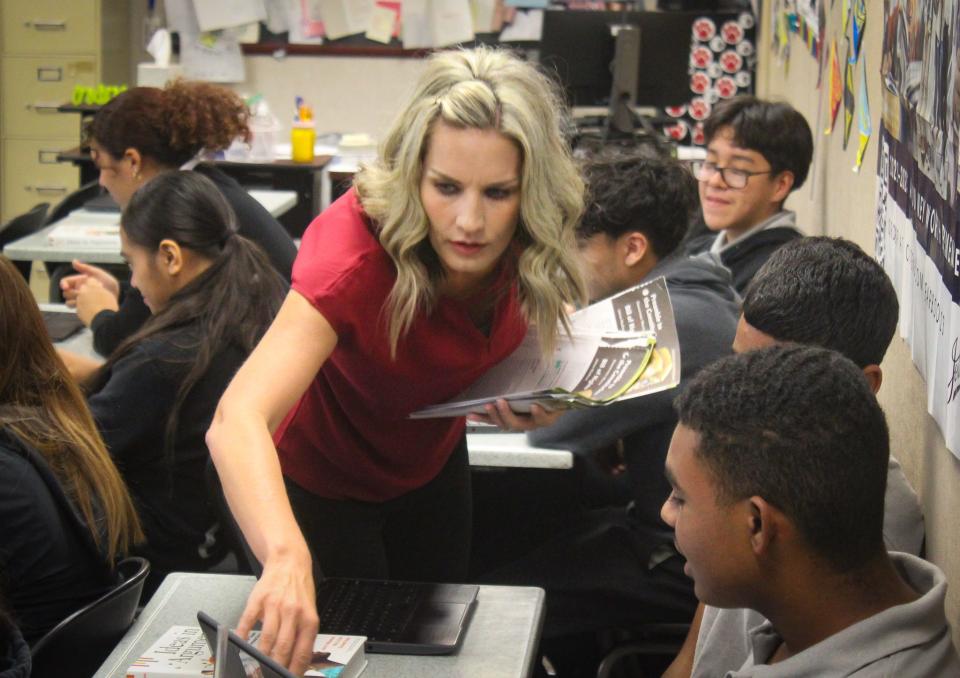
(420, 278)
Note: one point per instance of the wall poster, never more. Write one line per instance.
(918, 206)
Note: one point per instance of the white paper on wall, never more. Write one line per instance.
(216, 14)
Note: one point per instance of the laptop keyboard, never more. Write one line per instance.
(61, 325)
(379, 610)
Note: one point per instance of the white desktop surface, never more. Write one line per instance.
(512, 450)
(500, 641)
(38, 247)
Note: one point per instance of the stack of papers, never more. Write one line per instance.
(89, 230)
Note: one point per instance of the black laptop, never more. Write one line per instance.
(61, 325)
(397, 617)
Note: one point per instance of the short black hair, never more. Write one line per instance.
(775, 130)
(656, 196)
(800, 427)
(827, 292)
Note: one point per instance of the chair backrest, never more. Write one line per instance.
(24, 225)
(230, 532)
(74, 201)
(79, 644)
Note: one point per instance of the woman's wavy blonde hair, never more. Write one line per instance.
(482, 88)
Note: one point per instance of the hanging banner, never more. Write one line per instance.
(859, 23)
(848, 100)
(864, 124)
(918, 206)
(836, 87)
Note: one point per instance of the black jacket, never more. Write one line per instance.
(50, 565)
(131, 407)
(745, 256)
(254, 221)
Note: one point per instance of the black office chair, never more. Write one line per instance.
(629, 651)
(79, 644)
(20, 227)
(229, 533)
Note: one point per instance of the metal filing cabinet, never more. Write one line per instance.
(49, 47)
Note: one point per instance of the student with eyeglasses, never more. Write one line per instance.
(758, 152)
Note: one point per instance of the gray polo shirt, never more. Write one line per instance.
(904, 640)
(902, 531)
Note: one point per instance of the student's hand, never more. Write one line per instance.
(91, 298)
(499, 414)
(81, 367)
(70, 285)
(284, 600)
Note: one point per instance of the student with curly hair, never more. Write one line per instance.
(65, 513)
(411, 286)
(778, 467)
(139, 135)
(824, 292)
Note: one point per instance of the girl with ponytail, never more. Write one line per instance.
(211, 294)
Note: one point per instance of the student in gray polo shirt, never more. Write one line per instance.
(778, 467)
(826, 292)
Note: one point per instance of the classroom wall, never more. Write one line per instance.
(348, 94)
(837, 202)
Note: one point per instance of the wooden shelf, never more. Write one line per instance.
(334, 49)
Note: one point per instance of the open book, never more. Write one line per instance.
(623, 346)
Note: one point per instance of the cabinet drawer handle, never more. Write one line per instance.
(49, 74)
(47, 189)
(46, 25)
(43, 108)
(47, 157)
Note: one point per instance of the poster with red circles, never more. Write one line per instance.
(722, 65)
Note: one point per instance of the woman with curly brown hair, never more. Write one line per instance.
(140, 134)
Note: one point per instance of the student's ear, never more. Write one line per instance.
(764, 523)
(874, 376)
(636, 245)
(170, 257)
(782, 184)
(136, 161)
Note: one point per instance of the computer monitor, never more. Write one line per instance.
(580, 46)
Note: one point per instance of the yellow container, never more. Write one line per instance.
(302, 136)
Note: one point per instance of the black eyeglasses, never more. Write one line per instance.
(732, 177)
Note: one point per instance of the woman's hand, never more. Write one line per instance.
(70, 285)
(499, 414)
(91, 298)
(284, 600)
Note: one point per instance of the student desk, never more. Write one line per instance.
(36, 247)
(501, 639)
(511, 450)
